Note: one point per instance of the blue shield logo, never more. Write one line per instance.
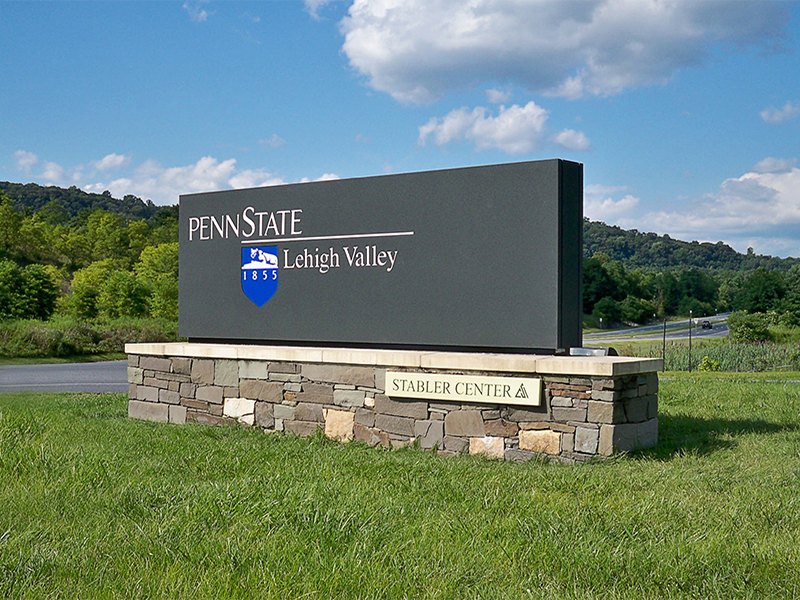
(260, 273)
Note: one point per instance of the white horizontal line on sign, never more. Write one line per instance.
(352, 236)
(464, 388)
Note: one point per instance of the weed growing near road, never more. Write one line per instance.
(68, 336)
(731, 356)
(95, 505)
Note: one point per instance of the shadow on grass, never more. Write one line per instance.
(679, 435)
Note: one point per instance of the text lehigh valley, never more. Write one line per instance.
(354, 256)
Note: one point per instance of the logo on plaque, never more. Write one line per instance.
(260, 273)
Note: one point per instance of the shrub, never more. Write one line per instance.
(103, 289)
(122, 295)
(608, 310)
(708, 365)
(636, 310)
(28, 293)
(68, 336)
(157, 269)
(745, 327)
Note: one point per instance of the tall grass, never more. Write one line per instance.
(93, 505)
(69, 336)
(730, 356)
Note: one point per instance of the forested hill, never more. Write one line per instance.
(632, 248)
(33, 198)
(650, 251)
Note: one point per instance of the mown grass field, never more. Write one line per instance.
(93, 505)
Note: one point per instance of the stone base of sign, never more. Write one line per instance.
(590, 406)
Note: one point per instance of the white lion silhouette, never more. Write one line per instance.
(261, 260)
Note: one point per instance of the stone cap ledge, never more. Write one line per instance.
(598, 366)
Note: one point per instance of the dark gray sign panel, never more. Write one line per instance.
(480, 258)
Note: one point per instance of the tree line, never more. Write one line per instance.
(616, 294)
(653, 252)
(31, 197)
(88, 255)
(88, 262)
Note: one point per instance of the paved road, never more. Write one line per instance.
(677, 330)
(98, 377)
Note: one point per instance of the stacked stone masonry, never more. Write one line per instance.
(580, 417)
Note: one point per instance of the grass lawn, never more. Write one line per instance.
(93, 505)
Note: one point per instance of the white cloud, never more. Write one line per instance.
(774, 165)
(251, 178)
(595, 189)
(515, 130)
(151, 180)
(497, 96)
(53, 174)
(776, 116)
(327, 177)
(274, 141)
(572, 140)
(25, 161)
(196, 12)
(759, 209)
(323, 177)
(313, 7)
(118, 187)
(599, 203)
(164, 185)
(111, 162)
(418, 50)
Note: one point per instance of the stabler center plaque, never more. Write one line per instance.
(480, 258)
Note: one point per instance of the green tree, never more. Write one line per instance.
(77, 249)
(10, 221)
(729, 284)
(28, 293)
(12, 301)
(54, 213)
(108, 235)
(668, 294)
(608, 310)
(36, 240)
(137, 239)
(791, 299)
(622, 281)
(41, 292)
(158, 270)
(761, 291)
(597, 284)
(122, 295)
(693, 283)
(164, 225)
(636, 310)
(86, 286)
(106, 289)
(747, 327)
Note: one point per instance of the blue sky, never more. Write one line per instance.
(686, 115)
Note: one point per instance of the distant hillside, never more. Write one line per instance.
(35, 197)
(632, 248)
(653, 252)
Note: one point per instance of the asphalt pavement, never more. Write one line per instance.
(112, 376)
(96, 377)
(676, 330)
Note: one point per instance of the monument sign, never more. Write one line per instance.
(481, 258)
(396, 310)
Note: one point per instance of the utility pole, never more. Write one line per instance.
(690, 341)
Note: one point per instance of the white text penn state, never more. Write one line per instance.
(247, 224)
